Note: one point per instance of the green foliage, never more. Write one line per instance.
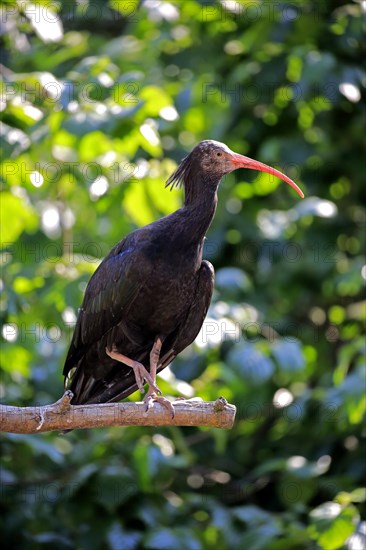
(99, 102)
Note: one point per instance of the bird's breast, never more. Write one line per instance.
(165, 296)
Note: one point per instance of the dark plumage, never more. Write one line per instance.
(153, 290)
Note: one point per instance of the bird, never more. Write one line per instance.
(147, 300)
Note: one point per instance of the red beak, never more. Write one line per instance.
(239, 161)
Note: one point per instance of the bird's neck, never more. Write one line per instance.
(199, 207)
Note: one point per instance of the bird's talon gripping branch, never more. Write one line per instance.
(151, 397)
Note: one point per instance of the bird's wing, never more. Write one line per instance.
(188, 330)
(109, 295)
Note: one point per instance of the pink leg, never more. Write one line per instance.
(141, 374)
(151, 396)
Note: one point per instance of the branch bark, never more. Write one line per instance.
(64, 416)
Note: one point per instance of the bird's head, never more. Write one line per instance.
(212, 160)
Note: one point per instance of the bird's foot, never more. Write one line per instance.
(151, 397)
(141, 374)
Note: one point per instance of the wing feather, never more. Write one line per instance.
(105, 305)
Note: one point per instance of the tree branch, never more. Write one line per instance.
(64, 416)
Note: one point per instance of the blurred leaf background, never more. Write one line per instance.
(99, 102)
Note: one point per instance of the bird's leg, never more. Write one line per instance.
(154, 357)
(141, 374)
(151, 396)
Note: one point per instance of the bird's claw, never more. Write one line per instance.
(151, 397)
(142, 375)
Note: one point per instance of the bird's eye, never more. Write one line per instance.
(218, 154)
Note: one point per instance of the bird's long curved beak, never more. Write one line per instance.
(239, 161)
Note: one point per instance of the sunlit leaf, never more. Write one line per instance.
(332, 524)
(16, 216)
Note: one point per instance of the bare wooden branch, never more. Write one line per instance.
(64, 416)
